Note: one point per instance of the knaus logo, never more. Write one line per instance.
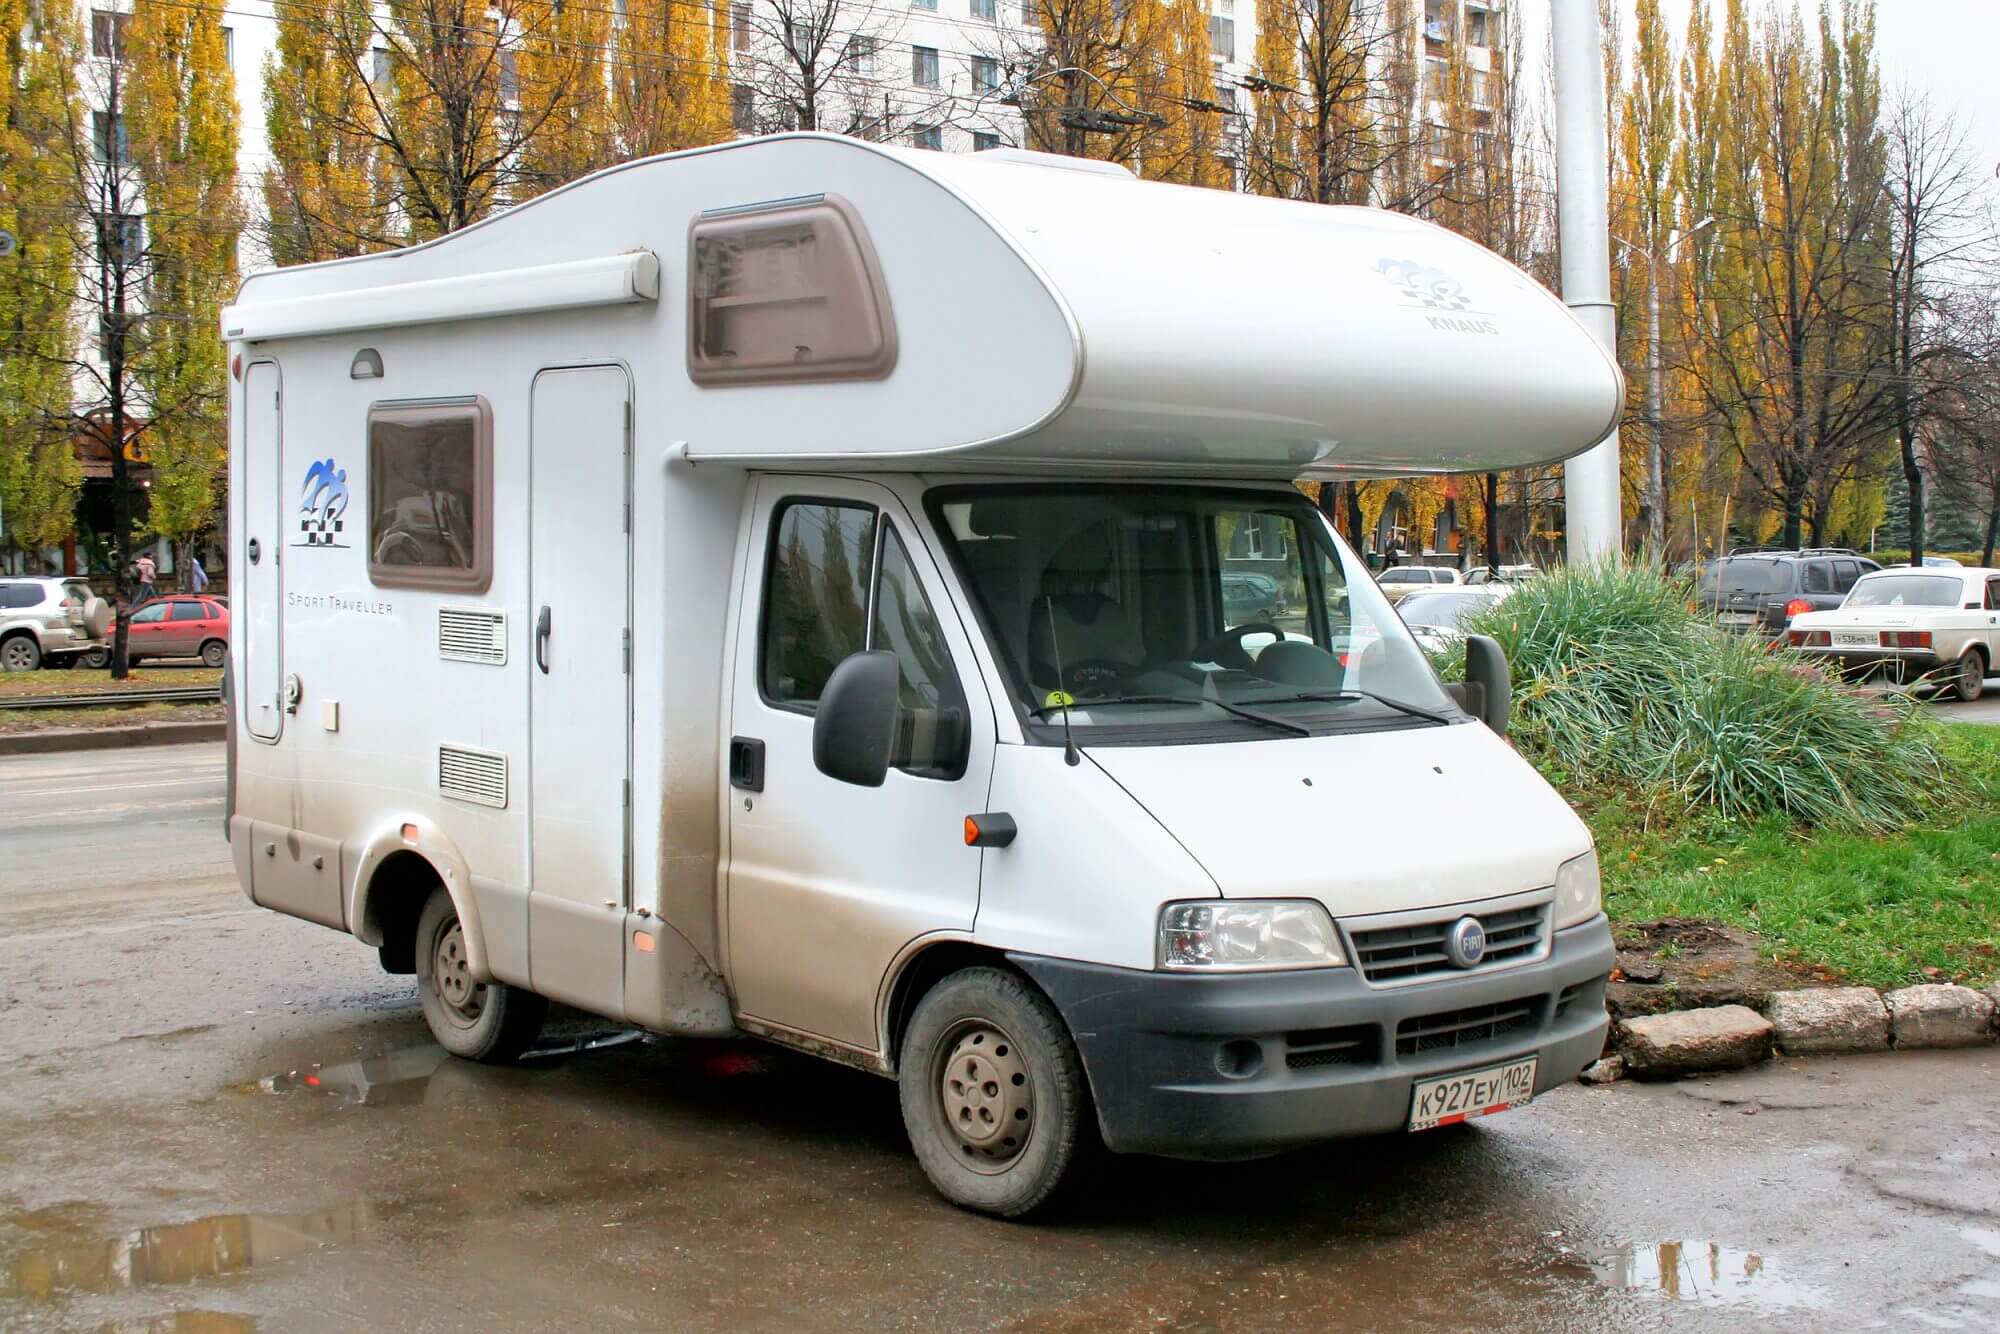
(322, 506)
(1440, 295)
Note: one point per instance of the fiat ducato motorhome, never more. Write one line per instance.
(783, 589)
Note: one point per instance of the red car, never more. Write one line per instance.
(181, 625)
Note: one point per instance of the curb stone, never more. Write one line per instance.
(110, 738)
(1722, 1037)
(1829, 1019)
(1940, 1015)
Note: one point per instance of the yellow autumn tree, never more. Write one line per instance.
(324, 194)
(40, 41)
(181, 122)
(561, 65)
(669, 78)
(1176, 83)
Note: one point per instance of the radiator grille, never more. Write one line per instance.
(468, 634)
(1313, 1047)
(473, 775)
(1406, 953)
(1462, 1028)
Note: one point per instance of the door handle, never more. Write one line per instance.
(542, 641)
(746, 763)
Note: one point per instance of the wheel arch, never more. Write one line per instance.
(924, 963)
(395, 871)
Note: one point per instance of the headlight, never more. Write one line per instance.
(1218, 934)
(1579, 891)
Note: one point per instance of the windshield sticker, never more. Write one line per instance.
(322, 506)
(1059, 699)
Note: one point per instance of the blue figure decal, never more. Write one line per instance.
(322, 503)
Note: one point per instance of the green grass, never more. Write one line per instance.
(1886, 910)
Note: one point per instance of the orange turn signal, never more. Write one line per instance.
(642, 942)
(995, 829)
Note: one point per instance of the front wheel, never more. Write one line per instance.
(480, 1021)
(1969, 681)
(994, 1096)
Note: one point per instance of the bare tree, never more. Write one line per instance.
(822, 65)
(1941, 230)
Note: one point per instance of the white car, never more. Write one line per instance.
(1399, 581)
(1909, 623)
(1435, 617)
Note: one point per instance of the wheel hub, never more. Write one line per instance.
(452, 975)
(986, 1098)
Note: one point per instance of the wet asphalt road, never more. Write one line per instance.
(216, 1119)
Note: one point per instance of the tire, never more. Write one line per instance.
(1968, 681)
(97, 659)
(991, 1024)
(20, 653)
(490, 1022)
(214, 653)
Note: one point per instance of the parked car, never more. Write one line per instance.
(1434, 616)
(1909, 623)
(1251, 597)
(1399, 581)
(1760, 592)
(181, 625)
(49, 621)
(1505, 574)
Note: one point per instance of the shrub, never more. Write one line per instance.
(1621, 689)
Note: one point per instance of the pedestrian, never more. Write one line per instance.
(143, 567)
(197, 577)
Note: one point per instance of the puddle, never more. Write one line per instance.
(180, 1253)
(1702, 1271)
(404, 1076)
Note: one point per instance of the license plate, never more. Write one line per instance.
(1854, 639)
(1735, 617)
(1455, 1098)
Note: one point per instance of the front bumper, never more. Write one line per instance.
(1313, 1055)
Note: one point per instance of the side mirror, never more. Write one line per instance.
(854, 731)
(1492, 685)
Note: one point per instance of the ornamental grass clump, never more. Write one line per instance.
(1621, 689)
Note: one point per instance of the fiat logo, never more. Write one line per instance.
(1465, 944)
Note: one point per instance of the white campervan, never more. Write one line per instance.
(856, 597)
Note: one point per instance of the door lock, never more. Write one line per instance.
(255, 551)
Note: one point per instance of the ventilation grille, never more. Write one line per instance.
(473, 775)
(467, 634)
(1465, 1028)
(1313, 1047)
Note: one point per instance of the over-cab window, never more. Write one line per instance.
(787, 292)
(430, 495)
(840, 581)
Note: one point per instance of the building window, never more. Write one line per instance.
(791, 292)
(1437, 22)
(229, 47)
(1437, 79)
(107, 34)
(1222, 33)
(861, 51)
(108, 139)
(1482, 90)
(739, 26)
(1031, 13)
(924, 66)
(985, 74)
(510, 76)
(986, 9)
(983, 140)
(121, 238)
(927, 136)
(379, 67)
(742, 108)
(1479, 27)
(924, 4)
(430, 496)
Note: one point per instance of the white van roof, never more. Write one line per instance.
(1049, 315)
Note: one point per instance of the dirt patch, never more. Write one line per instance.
(1681, 963)
(14, 721)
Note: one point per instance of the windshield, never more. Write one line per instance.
(1750, 574)
(1905, 590)
(1443, 610)
(1151, 609)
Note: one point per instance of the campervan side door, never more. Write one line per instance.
(579, 685)
(259, 610)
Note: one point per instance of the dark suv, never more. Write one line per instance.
(1760, 591)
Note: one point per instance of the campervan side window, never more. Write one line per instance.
(790, 292)
(430, 495)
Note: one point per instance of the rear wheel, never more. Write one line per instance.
(480, 1021)
(20, 653)
(1969, 681)
(97, 659)
(994, 1096)
(213, 652)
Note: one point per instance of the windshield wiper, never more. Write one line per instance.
(1325, 696)
(1250, 714)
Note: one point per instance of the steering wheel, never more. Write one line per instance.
(1227, 647)
(1087, 677)
(399, 548)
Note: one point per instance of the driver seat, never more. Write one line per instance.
(1074, 620)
